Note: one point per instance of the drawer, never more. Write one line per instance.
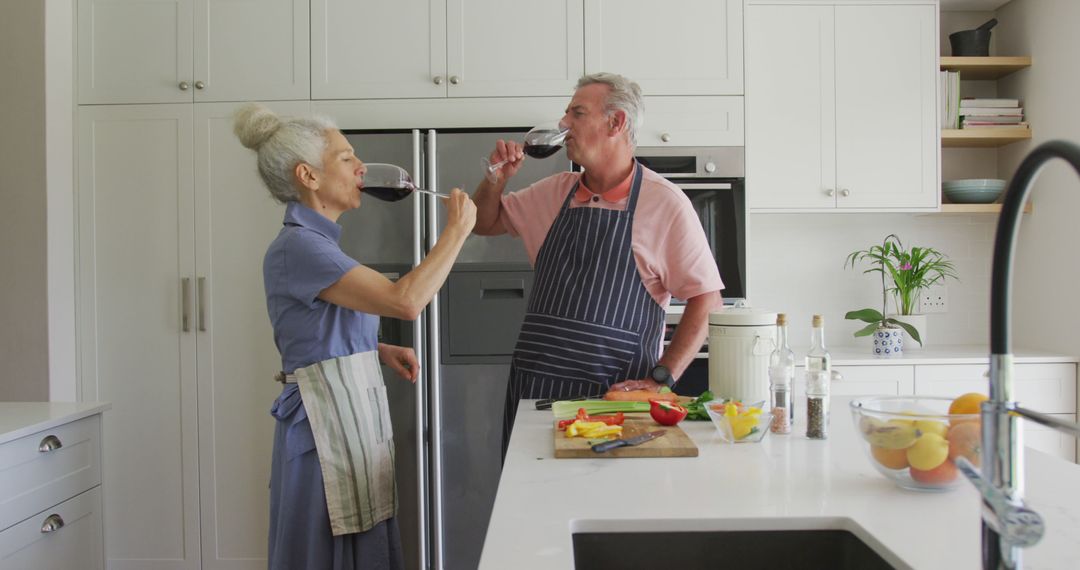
(864, 381)
(74, 541)
(32, 479)
(484, 311)
(1047, 388)
(692, 121)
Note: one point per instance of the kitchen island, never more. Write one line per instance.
(784, 482)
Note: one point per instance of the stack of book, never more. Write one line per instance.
(950, 100)
(991, 113)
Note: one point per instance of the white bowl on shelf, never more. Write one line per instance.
(973, 190)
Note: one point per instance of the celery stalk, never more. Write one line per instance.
(568, 409)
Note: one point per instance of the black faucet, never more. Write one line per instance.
(1007, 524)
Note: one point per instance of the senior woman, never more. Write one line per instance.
(332, 493)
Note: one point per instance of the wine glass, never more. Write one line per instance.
(390, 183)
(541, 141)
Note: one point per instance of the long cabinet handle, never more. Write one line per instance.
(202, 303)
(185, 304)
(52, 523)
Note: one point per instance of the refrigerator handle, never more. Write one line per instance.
(419, 341)
(435, 393)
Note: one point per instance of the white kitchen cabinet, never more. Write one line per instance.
(173, 222)
(678, 47)
(841, 107)
(176, 51)
(691, 121)
(235, 220)
(366, 49)
(874, 381)
(50, 497)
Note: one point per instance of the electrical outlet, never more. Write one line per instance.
(934, 300)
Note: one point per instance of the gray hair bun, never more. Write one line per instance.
(254, 124)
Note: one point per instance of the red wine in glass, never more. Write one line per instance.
(390, 183)
(540, 142)
(541, 150)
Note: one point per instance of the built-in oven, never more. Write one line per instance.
(712, 178)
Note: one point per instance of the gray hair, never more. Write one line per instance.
(624, 95)
(281, 143)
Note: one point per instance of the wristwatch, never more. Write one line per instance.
(661, 375)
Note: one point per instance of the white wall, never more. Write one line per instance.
(796, 266)
(23, 287)
(1047, 270)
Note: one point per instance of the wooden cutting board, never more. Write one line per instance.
(674, 443)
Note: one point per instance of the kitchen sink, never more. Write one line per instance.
(803, 548)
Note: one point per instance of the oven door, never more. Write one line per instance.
(720, 204)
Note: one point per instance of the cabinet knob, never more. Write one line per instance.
(831, 192)
(53, 523)
(845, 192)
(454, 80)
(665, 137)
(200, 85)
(184, 85)
(50, 443)
(437, 79)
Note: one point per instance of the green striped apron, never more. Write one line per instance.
(345, 399)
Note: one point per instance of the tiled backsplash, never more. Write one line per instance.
(796, 266)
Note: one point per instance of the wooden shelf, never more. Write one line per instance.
(985, 67)
(984, 138)
(977, 208)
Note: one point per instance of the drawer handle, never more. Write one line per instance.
(52, 523)
(50, 443)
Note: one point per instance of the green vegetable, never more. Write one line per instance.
(665, 390)
(568, 408)
(696, 408)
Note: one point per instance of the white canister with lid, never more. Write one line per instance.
(740, 341)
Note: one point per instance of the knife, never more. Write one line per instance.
(636, 440)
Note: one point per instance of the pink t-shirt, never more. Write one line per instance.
(670, 248)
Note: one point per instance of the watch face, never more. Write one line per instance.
(661, 374)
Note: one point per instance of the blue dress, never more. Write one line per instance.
(303, 260)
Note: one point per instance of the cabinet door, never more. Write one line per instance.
(678, 47)
(498, 48)
(886, 105)
(251, 49)
(692, 121)
(136, 331)
(235, 221)
(374, 49)
(874, 381)
(790, 118)
(75, 541)
(135, 51)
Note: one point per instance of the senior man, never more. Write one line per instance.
(611, 246)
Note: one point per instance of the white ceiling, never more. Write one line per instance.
(972, 5)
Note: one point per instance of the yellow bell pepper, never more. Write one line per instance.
(605, 431)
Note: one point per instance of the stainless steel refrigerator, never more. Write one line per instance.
(447, 427)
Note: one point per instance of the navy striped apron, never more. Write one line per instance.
(590, 321)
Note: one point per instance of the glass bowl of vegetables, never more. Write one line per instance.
(737, 422)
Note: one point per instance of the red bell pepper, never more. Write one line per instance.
(615, 420)
(666, 413)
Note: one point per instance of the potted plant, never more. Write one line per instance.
(910, 271)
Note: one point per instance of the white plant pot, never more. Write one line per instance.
(920, 324)
(888, 342)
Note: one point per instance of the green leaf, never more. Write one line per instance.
(868, 329)
(866, 315)
(912, 332)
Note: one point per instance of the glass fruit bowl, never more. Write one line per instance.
(914, 440)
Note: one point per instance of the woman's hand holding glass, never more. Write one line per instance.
(460, 211)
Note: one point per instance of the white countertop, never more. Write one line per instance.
(18, 419)
(934, 354)
(784, 482)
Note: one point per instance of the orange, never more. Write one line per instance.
(965, 440)
(969, 403)
(944, 473)
(890, 458)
